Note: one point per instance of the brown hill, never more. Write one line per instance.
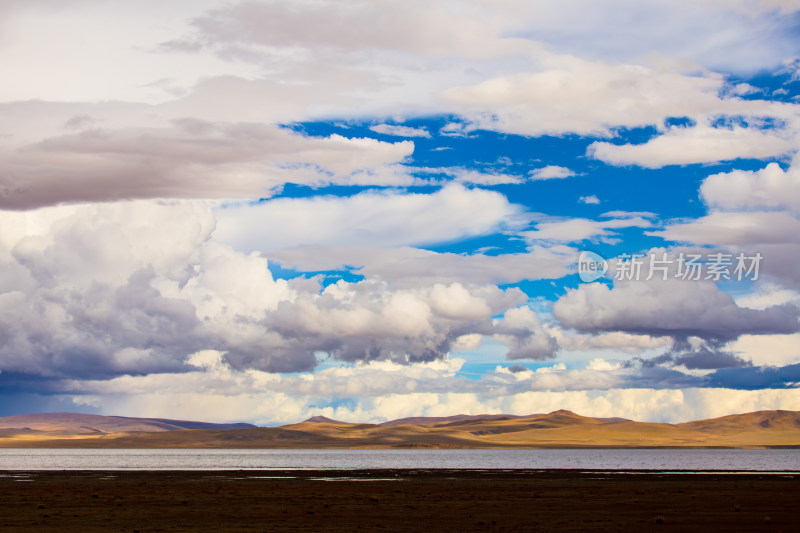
(319, 419)
(559, 429)
(756, 421)
(436, 420)
(85, 424)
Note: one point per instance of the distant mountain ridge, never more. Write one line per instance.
(435, 420)
(88, 424)
(426, 421)
(558, 429)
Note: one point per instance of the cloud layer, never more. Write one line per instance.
(370, 210)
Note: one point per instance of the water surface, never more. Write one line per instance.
(215, 459)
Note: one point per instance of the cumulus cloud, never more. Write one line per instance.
(743, 233)
(522, 330)
(151, 285)
(749, 211)
(116, 306)
(676, 308)
(700, 144)
(370, 320)
(768, 188)
(736, 228)
(388, 218)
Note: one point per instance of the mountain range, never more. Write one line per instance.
(559, 429)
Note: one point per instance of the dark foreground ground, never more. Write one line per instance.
(396, 500)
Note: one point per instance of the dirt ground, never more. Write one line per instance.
(396, 500)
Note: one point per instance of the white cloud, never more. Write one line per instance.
(404, 266)
(736, 228)
(468, 176)
(476, 177)
(628, 214)
(472, 341)
(309, 41)
(615, 340)
(768, 188)
(400, 131)
(370, 218)
(699, 144)
(590, 200)
(767, 350)
(741, 89)
(579, 229)
(718, 34)
(571, 95)
(773, 234)
(116, 63)
(766, 295)
(750, 212)
(551, 172)
(267, 61)
(677, 308)
(601, 364)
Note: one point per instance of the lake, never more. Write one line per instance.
(785, 460)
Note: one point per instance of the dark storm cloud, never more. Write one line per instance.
(754, 378)
(708, 359)
(63, 332)
(707, 355)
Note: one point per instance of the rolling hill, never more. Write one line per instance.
(559, 429)
(51, 425)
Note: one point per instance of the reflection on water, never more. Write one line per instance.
(594, 459)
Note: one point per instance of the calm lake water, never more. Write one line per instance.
(661, 460)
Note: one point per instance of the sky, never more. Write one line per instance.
(267, 210)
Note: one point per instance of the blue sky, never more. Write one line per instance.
(245, 211)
